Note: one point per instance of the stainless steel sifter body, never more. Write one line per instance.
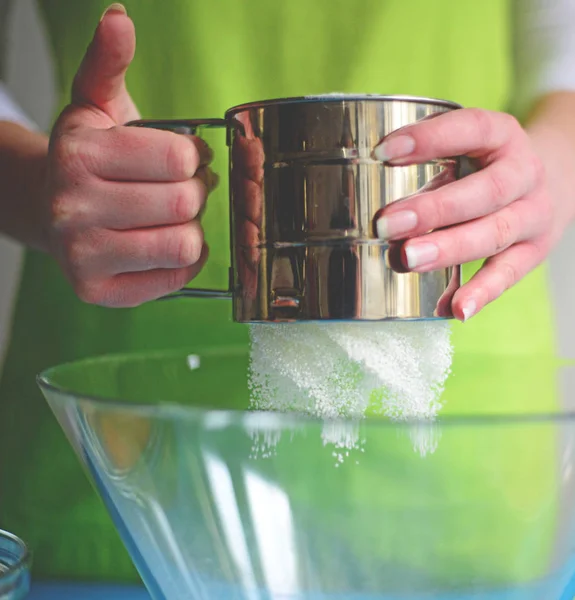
(304, 190)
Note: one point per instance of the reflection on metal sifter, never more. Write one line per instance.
(304, 190)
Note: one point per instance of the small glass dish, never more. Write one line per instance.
(14, 567)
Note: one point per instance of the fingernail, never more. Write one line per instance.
(209, 178)
(418, 255)
(207, 156)
(115, 7)
(214, 180)
(191, 165)
(469, 309)
(395, 147)
(396, 224)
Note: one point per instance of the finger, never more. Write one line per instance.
(132, 289)
(395, 257)
(157, 248)
(444, 306)
(477, 239)
(100, 80)
(474, 196)
(497, 275)
(103, 253)
(206, 154)
(210, 179)
(127, 206)
(138, 154)
(472, 132)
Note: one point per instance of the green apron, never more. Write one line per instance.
(195, 59)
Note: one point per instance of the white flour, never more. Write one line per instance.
(336, 370)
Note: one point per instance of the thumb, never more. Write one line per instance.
(100, 80)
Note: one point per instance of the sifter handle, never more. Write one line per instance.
(187, 127)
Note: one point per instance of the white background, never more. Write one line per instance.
(30, 79)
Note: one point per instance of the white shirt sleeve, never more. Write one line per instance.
(544, 49)
(9, 109)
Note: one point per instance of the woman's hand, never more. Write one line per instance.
(503, 213)
(123, 203)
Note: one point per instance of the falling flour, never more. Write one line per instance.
(350, 370)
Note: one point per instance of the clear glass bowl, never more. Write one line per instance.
(14, 567)
(215, 501)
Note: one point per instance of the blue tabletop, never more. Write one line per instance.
(69, 591)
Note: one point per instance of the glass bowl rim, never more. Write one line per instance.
(230, 416)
